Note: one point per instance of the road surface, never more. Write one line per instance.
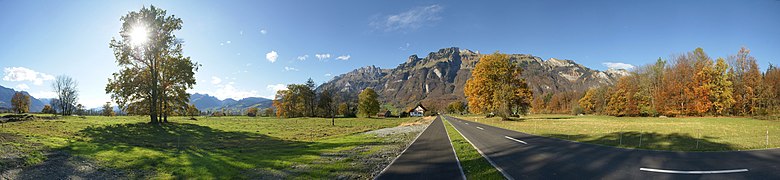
(523, 156)
(429, 157)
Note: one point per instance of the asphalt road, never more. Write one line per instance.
(430, 156)
(523, 156)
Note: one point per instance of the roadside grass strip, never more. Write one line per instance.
(653, 133)
(473, 164)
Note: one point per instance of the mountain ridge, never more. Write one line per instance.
(440, 77)
(205, 102)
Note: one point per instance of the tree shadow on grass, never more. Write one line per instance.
(188, 151)
(653, 141)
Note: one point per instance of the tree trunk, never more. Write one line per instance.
(153, 103)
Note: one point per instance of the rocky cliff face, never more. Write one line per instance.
(441, 76)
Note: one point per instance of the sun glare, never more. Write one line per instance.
(138, 35)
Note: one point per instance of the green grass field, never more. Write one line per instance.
(473, 164)
(209, 148)
(672, 134)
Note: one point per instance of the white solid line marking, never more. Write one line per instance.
(407, 147)
(480, 128)
(693, 172)
(467, 123)
(483, 155)
(513, 139)
(463, 174)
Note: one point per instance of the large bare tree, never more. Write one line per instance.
(67, 94)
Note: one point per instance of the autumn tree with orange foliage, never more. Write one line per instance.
(496, 86)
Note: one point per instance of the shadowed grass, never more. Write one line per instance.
(210, 148)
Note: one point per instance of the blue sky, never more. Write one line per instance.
(251, 48)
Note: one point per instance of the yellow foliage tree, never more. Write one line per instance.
(496, 86)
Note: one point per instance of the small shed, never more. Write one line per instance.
(417, 111)
(384, 114)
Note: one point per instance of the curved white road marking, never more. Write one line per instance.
(513, 139)
(693, 172)
(480, 128)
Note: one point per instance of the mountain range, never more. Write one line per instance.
(6, 94)
(205, 102)
(440, 77)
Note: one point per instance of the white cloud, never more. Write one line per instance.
(215, 80)
(22, 87)
(238, 54)
(271, 56)
(409, 20)
(229, 91)
(618, 65)
(276, 87)
(241, 33)
(263, 31)
(404, 48)
(290, 69)
(327, 74)
(304, 57)
(221, 44)
(43, 94)
(95, 103)
(24, 74)
(273, 88)
(344, 57)
(322, 56)
(248, 64)
(228, 42)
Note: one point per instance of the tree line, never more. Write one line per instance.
(302, 100)
(690, 84)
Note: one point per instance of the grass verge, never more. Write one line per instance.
(670, 134)
(474, 165)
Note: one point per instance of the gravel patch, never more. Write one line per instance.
(61, 165)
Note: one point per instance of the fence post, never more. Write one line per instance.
(767, 138)
(640, 139)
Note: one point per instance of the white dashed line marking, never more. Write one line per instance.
(693, 172)
(480, 128)
(516, 140)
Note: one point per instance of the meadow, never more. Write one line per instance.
(653, 133)
(206, 148)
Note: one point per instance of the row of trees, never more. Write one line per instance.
(66, 102)
(691, 84)
(301, 100)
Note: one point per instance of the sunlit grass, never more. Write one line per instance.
(210, 147)
(473, 164)
(676, 134)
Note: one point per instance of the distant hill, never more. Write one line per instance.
(6, 94)
(205, 102)
(440, 77)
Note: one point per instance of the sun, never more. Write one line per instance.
(138, 35)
